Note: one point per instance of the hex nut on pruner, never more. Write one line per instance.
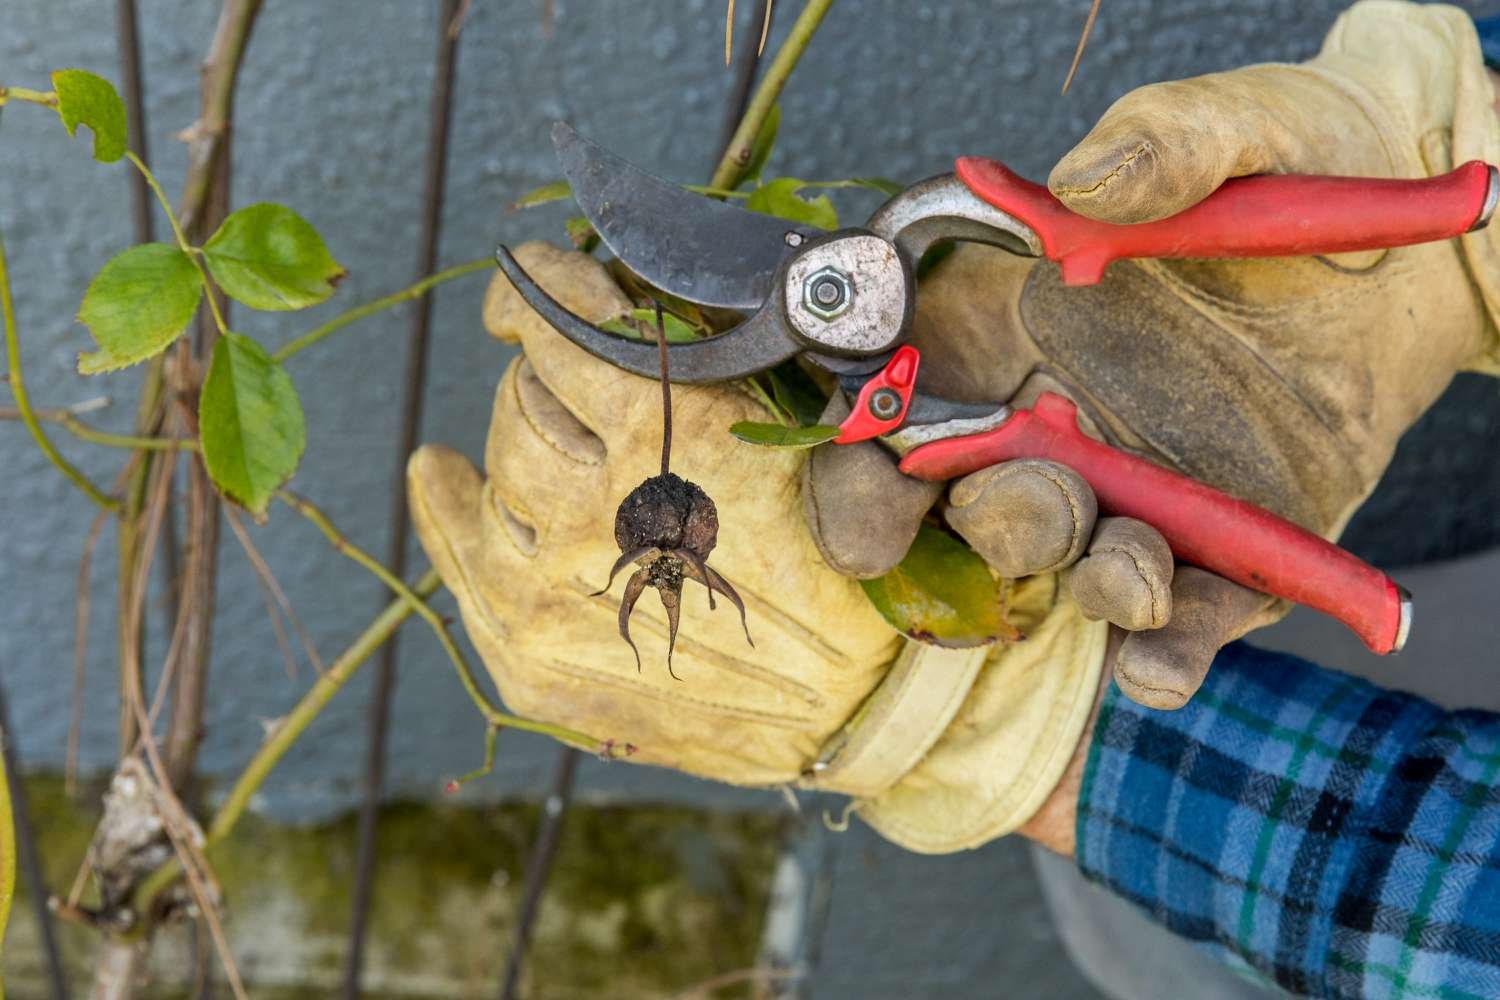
(827, 293)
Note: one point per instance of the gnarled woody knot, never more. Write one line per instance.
(667, 526)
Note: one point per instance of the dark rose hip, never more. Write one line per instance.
(667, 526)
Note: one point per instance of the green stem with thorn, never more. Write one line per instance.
(737, 154)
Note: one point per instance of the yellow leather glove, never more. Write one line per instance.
(1283, 381)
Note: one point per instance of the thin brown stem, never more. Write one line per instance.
(128, 43)
(273, 587)
(538, 865)
(174, 816)
(206, 136)
(759, 975)
(728, 31)
(81, 606)
(1083, 39)
(666, 394)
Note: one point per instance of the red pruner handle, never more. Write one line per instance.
(1269, 215)
(1204, 527)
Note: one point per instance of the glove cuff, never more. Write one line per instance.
(957, 747)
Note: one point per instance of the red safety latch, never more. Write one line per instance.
(883, 400)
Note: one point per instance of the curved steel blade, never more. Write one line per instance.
(702, 250)
(759, 343)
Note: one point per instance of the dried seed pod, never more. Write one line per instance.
(667, 526)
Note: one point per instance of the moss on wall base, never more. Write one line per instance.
(643, 901)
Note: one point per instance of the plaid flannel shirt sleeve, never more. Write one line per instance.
(1337, 838)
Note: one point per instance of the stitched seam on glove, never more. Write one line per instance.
(1128, 553)
(1047, 473)
(878, 748)
(541, 432)
(1104, 181)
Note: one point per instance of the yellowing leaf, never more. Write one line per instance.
(86, 99)
(249, 422)
(941, 593)
(779, 436)
(269, 257)
(780, 198)
(137, 304)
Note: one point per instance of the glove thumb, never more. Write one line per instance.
(1165, 147)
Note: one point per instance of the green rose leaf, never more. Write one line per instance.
(780, 436)
(640, 320)
(86, 99)
(249, 422)
(137, 304)
(269, 257)
(780, 198)
(760, 149)
(941, 593)
(555, 191)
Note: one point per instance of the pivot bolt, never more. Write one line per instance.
(827, 293)
(885, 403)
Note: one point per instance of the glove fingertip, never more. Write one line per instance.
(1111, 180)
(845, 530)
(1159, 677)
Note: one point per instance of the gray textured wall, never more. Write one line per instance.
(332, 121)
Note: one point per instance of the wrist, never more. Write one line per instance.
(1054, 825)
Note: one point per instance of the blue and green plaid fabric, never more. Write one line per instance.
(1339, 839)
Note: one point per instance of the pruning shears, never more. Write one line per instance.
(844, 301)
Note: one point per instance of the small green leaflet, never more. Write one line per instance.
(249, 422)
(780, 436)
(86, 99)
(554, 191)
(941, 593)
(780, 198)
(269, 257)
(137, 304)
